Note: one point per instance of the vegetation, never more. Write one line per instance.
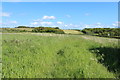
(22, 27)
(61, 56)
(72, 32)
(57, 28)
(48, 30)
(103, 32)
(31, 29)
(12, 30)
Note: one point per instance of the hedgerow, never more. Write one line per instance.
(48, 30)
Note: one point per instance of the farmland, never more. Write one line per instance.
(45, 55)
(59, 40)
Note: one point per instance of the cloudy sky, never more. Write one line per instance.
(66, 15)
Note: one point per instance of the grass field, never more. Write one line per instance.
(15, 30)
(72, 32)
(59, 56)
(27, 29)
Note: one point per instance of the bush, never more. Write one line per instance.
(56, 27)
(48, 30)
(87, 32)
(103, 32)
(22, 27)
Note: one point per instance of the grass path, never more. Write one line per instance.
(101, 39)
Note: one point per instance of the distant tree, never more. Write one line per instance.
(48, 30)
(105, 32)
(22, 27)
(56, 27)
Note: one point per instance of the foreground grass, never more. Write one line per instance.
(0, 56)
(36, 56)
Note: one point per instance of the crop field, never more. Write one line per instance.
(40, 55)
(72, 32)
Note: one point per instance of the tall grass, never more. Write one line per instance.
(35, 56)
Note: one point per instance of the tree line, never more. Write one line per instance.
(103, 32)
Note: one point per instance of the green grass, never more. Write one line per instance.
(0, 56)
(66, 56)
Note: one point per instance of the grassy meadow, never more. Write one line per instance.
(40, 55)
(72, 32)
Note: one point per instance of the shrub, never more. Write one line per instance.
(48, 30)
(56, 27)
(103, 32)
(88, 32)
(22, 27)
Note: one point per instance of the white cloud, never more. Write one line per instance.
(70, 26)
(34, 23)
(5, 14)
(87, 26)
(45, 23)
(66, 25)
(116, 24)
(42, 23)
(12, 22)
(98, 26)
(9, 22)
(98, 23)
(59, 22)
(37, 20)
(49, 17)
(68, 16)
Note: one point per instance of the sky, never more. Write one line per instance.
(60, 0)
(65, 15)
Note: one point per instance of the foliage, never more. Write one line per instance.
(56, 27)
(12, 30)
(103, 32)
(106, 57)
(22, 27)
(66, 56)
(48, 30)
(76, 32)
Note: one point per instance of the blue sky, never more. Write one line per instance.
(60, 0)
(66, 15)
